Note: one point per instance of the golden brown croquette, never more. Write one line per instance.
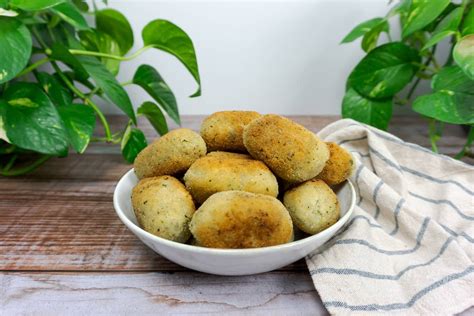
(313, 206)
(163, 207)
(339, 166)
(223, 171)
(171, 154)
(237, 219)
(223, 130)
(291, 151)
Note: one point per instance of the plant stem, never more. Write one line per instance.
(427, 62)
(435, 64)
(27, 169)
(110, 56)
(10, 163)
(433, 135)
(93, 91)
(33, 66)
(413, 88)
(115, 140)
(108, 134)
(38, 38)
(87, 100)
(126, 83)
(426, 67)
(465, 149)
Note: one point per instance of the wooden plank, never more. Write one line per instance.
(61, 217)
(71, 225)
(277, 293)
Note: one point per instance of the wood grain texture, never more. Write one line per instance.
(275, 293)
(61, 217)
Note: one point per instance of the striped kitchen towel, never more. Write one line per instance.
(409, 247)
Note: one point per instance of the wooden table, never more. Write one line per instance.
(64, 251)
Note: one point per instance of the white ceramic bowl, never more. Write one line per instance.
(228, 261)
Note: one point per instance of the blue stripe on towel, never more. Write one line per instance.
(455, 234)
(396, 212)
(351, 140)
(439, 202)
(419, 237)
(374, 197)
(394, 306)
(356, 179)
(367, 274)
(398, 141)
(360, 154)
(418, 173)
(385, 159)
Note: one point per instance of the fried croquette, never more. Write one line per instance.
(339, 166)
(171, 154)
(291, 151)
(163, 207)
(313, 206)
(223, 130)
(237, 219)
(223, 171)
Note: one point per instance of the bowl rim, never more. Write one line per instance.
(137, 230)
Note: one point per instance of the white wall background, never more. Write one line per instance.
(267, 55)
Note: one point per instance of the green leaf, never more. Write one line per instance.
(101, 42)
(438, 37)
(107, 82)
(29, 19)
(150, 80)
(447, 27)
(168, 37)
(81, 5)
(31, 120)
(102, 77)
(452, 100)
(153, 113)
(115, 24)
(79, 120)
(370, 39)
(59, 94)
(4, 3)
(468, 24)
(373, 112)
(69, 13)
(361, 29)
(35, 5)
(61, 53)
(430, 28)
(74, 77)
(463, 54)
(15, 48)
(451, 21)
(401, 8)
(422, 13)
(133, 142)
(384, 71)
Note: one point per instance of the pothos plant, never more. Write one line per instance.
(43, 114)
(390, 73)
